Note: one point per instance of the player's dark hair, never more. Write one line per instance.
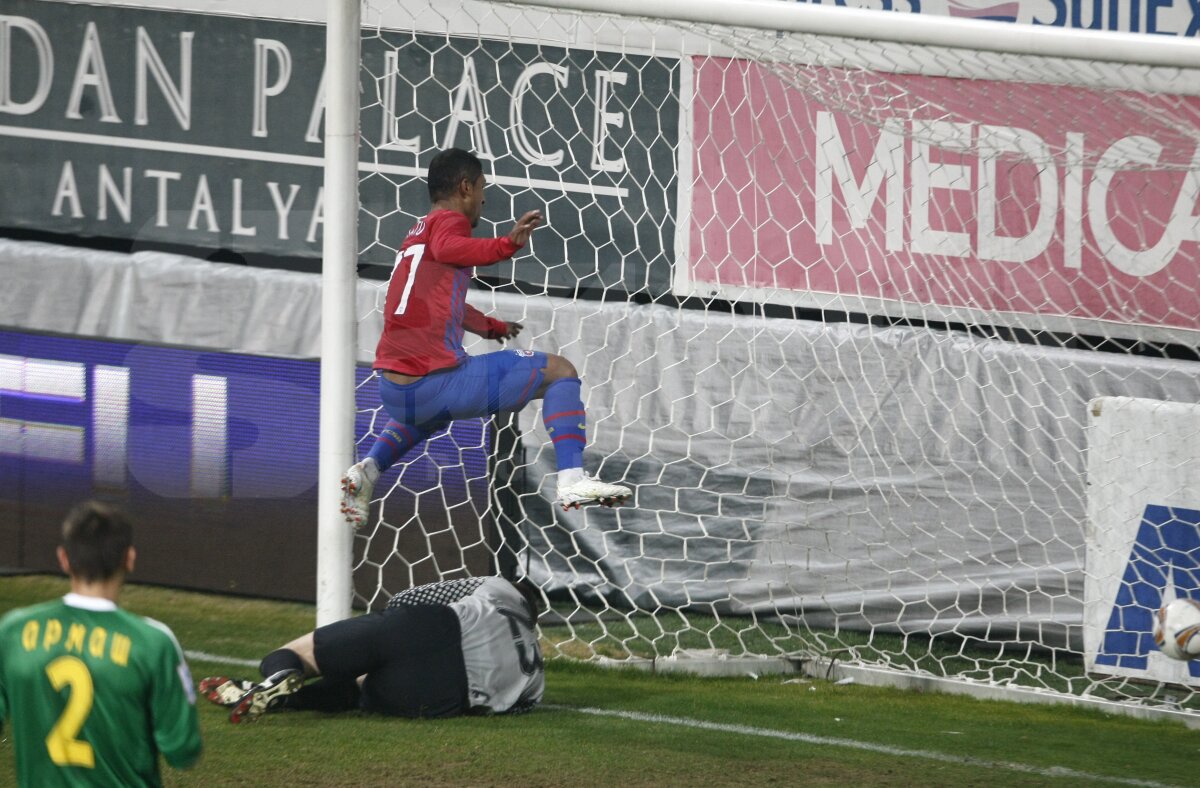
(448, 169)
(96, 537)
(532, 595)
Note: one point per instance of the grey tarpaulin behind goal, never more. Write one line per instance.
(902, 478)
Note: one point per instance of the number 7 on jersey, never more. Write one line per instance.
(414, 253)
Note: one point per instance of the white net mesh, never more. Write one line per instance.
(839, 307)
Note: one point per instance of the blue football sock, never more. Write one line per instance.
(563, 415)
(393, 443)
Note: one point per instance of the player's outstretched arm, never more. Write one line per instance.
(528, 222)
(451, 242)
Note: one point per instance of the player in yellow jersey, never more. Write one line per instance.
(90, 693)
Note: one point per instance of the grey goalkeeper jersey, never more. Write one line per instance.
(499, 639)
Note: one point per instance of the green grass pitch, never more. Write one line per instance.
(618, 727)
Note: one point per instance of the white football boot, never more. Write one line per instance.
(576, 488)
(357, 487)
(223, 690)
(265, 695)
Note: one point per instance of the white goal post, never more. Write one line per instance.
(841, 285)
(339, 326)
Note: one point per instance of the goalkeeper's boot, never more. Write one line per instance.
(223, 690)
(579, 489)
(266, 694)
(357, 487)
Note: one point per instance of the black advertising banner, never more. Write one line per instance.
(205, 130)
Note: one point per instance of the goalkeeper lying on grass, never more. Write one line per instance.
(465, 646)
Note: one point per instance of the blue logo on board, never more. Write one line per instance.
(1166, 551)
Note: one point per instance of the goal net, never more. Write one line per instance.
(839, 306)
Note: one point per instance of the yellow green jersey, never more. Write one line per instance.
(90, 694)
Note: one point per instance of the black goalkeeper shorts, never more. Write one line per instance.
(412, 658)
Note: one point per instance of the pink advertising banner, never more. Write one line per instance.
(986, 195)
(1158, 17)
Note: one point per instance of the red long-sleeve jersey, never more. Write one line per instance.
(426, 309)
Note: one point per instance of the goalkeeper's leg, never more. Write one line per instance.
(285, 669)
(405, 661)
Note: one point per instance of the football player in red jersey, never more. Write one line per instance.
(427, 380)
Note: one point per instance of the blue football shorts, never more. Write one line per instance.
(483, 385)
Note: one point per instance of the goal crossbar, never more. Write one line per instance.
(869, 24)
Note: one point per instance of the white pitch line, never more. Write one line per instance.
(884, 749)
(807, 738)
(202, 656)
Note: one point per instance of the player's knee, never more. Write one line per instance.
(558, 368)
